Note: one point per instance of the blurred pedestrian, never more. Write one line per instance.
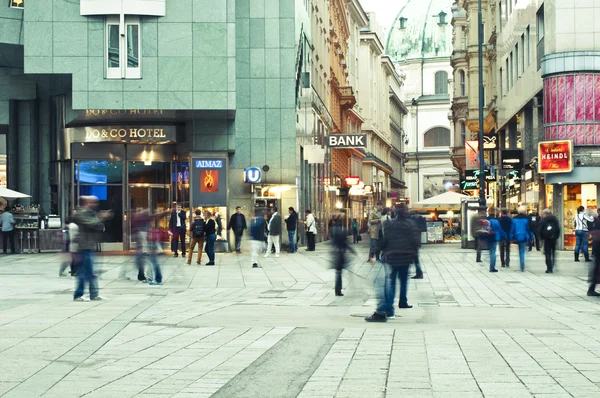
(90, 224)
(339, 235)
(498, 235)
(139, 229)
(375, 231)
(355, 235)
(257, 232)
(400, 244)
(506, 224)
(197, 230)
(521, 234)
(549, 232)
(422, 227)
(210, 237)
(311, 231)
(274, 228)
(291, 224)
(177, 229)
(7, 222)
(71, 248)
(238, 223)
(594, 277)
(582, 233)
(481, 231)
(534, 226)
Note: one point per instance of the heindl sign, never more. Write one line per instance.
(347, 140)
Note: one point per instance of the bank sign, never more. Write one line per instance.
(347, 140)
(208, 182)
(555, 156)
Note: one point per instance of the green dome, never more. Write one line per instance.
(421, 29)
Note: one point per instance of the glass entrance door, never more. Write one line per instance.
(155, 200)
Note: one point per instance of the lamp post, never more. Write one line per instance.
(482, 201)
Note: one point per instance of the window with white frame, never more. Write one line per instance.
(123, 48)
(437, 137)
(441, 82)
(16, 3)
(463, 84)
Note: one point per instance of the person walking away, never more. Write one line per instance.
(152, 250)
(521, 234)
(339, 242)
(71, 248)
(498, 235)
(594, 277)
(210, 233)
(480, 228)
(591, 233)
(90, 224)
(506, 224)
(197, 233)
(355, 231)
(274, 228)
(534, 226)
(374, 227)
(291, 223)
(139, 229)
(422, 226)
(582, 233)
(238, 223)
(549, 232)
(8, 230)
(219, 222)
(257, 232)
(177, 229)
(400, 244)
(311, 231)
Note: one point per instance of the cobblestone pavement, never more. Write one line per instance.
(279, 331)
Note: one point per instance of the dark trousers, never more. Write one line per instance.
(178, 235)
(505, 253)
(355, 235)
(595, 273)
(86, 275)
(238, 232)
(419, 270)
(10, 235)
(210, 247)
(479, 246)
(310, 237)
(550, 253)
(537, 242)
(339, 265)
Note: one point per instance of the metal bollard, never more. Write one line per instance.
(21, 239)
(35, 243)
(28, 242)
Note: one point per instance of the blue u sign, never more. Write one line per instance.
(252, 175)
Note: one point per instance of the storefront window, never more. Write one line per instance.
(98, 172)
(3, 161)
(149, 173)
(549, 196)
(574, 196)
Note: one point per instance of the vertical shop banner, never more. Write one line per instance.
(472, 155)
(209, 182)
(555, 156)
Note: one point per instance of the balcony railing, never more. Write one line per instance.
(348, 100)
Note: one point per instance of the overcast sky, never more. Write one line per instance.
(386, 10)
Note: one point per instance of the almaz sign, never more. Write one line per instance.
(209, 164)
(347, 140)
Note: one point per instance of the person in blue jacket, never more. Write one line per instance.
(521, 233)
(498, 236)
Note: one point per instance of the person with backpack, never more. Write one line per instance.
(311, 231)
(291, 224)
(582, 233)
(495, 235)
(197, 232)
(506, 223)
(521, 234)
(549, 231)
(400, 244)
(355, 231)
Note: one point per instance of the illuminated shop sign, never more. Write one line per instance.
(209, 164)
(17, 3)
(252, 175)
(352, 180)
(555, 157)
(472, 155)
(512, 160)
(123, 134)
(471, 180)
(490, 141)
(208, 182)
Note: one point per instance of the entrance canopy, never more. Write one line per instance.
(9, 194)
(447, 200)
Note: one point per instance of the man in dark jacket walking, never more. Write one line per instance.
(274, 227)
(534, 226)
(549, 231)
(291, 222)
(238, 223)
(399, 245)
(177, 229)
(506, 224)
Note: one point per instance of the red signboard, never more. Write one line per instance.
(351, 180)
(555, 156)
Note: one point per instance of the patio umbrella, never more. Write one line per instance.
(447, 200)
(9, 194)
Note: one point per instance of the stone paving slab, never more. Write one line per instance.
(211, 330)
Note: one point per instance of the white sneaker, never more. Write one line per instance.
(277, 255)
(80, 299)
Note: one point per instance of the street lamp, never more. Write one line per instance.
(482, 201)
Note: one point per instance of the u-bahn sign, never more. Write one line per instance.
(347, 140)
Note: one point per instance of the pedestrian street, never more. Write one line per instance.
(279, 330)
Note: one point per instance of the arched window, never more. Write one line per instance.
(437, 137)
(441, 82)
(462, 82)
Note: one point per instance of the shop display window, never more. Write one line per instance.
(574, 196)
(220, 215)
